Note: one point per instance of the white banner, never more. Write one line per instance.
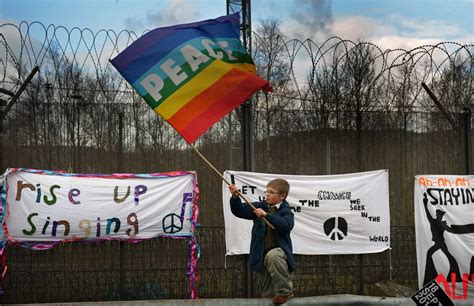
(334, 214)
(444, 222)
(51, 206)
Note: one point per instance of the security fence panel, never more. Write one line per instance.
(359, 109)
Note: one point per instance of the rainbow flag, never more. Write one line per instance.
(191, 74)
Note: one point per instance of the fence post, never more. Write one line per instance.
(5, 108)
(120, 143)
(465, 140)
(360, 257)
(244, 8)
(120, 170)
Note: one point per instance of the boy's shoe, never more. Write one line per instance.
(282, 299)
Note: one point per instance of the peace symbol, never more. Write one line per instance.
(172, 223)
(335, 228)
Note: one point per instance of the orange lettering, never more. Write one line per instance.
(462, 182)
(423, 181)
(442, 181)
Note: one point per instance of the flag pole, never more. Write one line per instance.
(228, 183)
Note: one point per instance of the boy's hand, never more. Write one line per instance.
(233, 189)
(260, 213)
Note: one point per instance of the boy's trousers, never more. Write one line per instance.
(276, 279)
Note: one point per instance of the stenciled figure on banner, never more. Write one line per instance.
(444, 210)
(438, 227)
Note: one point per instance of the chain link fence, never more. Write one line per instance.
(78, 116)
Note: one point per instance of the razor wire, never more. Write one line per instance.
(26, 45)
(322, 79)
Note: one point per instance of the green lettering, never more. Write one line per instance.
(116, 198)
(53, 200)
(33, 227)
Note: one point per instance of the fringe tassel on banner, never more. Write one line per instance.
(194, 249)
(3, 255)
(193, 275)
(3, 266)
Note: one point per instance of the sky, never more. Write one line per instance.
(390, 24)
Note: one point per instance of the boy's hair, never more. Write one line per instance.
(280, 185)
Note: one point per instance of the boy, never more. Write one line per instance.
(271, 251)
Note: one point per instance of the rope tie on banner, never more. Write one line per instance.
(193, 275)
(194, 250)
(3, 255)
(3, 266)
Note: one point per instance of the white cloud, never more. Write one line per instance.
(388, 33)
(173, 12)
(425, 28)
(167, 13)
(356, 28)
(391, 32)
(402, 42)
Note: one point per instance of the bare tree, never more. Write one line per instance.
(455, 84)
(272, 64)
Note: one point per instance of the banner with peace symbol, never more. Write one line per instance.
(47, 206)
(334, 214)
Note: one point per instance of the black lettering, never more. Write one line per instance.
(378, 238)
(329, 195)
(448, 199)
(455, 193)
(357, 207)
(469, 196)
(450, 196)
(434, 199)
(374, 219)
(295, 208)
(248, 188)
(310, 203)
